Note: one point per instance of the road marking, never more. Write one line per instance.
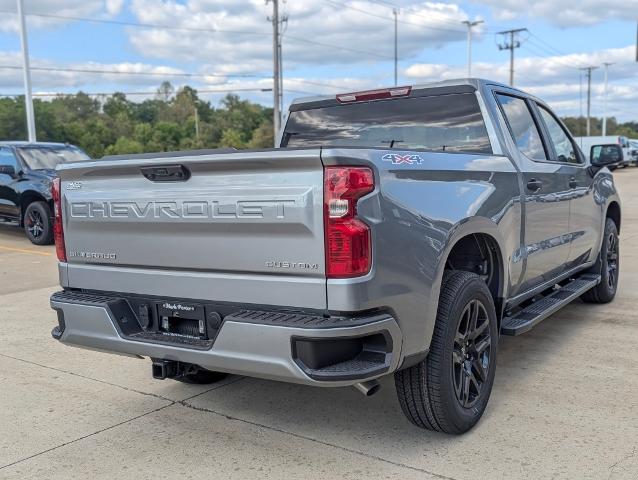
(24, 250)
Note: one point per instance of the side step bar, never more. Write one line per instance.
(538, 311)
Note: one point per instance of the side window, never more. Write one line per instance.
(7, 158)
(522, 126)
(563, 145)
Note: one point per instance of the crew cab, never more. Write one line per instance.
(26, 172)
(396, 231)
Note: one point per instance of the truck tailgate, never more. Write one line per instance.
(238, 215)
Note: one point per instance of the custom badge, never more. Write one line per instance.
(402, 158)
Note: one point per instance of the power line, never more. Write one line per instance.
(139, 24)
(106, 94)
(549, 46)
(120, 72)
(199, 30)
(417, 14)
(543, 52)
(549, 57)
(405, 22)
(180, 74)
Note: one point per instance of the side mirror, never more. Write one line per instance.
(604, 155)
(7, 170)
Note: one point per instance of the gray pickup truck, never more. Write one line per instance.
(397, 231)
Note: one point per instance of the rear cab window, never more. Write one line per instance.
(441, 123)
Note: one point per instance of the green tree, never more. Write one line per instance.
(231, 138)
(113, 124)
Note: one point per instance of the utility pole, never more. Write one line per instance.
(469, 43)
(606, 64)
(511, 45)
(283, 21)
(26, 71)
(395, 12)
(276, 72)
(196, 123)
(589, 70)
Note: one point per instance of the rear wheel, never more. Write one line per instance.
(449, 390)
(37, 223)
(607, 266)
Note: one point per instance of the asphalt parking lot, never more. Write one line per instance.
(564, 405)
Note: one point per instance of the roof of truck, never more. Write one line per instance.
(23, 143)
(472, 83)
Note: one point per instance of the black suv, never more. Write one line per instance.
(26, 173)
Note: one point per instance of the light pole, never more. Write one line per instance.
(469, 43)
(606, 64)
(395, 12)
(26, 71)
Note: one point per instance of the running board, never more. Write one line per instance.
(538, 311)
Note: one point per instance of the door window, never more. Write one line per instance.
(522, 126)
(563, 145)
(8, 159)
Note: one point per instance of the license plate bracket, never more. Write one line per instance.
(182, 319)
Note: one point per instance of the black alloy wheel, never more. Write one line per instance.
(607, 266)
(448, 391)
(471, 354)
(38, 224)
(612, 260)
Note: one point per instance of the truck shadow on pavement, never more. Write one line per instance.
(342, 416)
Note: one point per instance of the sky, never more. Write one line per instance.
(329, 47)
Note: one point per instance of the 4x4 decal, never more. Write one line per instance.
(402, 158)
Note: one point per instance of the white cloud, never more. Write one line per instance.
(535, 70)
(318, 31)
(583, 12)
(556, 79)
(73, 8)
(114, 7)
(79, 75)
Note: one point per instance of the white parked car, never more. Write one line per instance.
(585, 144)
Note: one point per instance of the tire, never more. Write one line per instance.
(429, 392)
(38, 224)
(201, 377)
(607, 266)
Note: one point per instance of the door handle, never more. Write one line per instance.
(573, 183)
(534, 185)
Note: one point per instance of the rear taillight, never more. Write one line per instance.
(348, 241)
(58, 228)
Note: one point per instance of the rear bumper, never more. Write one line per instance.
(274, 345)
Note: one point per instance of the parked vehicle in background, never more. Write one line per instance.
(397, 231)
(633, 150)
(26, 173)
(585, 144)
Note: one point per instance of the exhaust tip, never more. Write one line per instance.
(368, 388)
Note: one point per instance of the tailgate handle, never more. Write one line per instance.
(166, 173)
